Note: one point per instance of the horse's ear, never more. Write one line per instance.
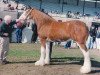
(29, 7)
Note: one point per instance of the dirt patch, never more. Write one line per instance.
(30, 69)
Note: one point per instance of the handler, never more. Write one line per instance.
(5, 33)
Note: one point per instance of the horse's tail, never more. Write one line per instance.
(87, 37)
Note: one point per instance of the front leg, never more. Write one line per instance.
(47, 58)
(41, 61)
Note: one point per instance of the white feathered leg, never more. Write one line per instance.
(86, 68)
(41, 61)
(47, 58)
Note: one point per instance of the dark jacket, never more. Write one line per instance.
(93, 32)
(4, 28)
(98, 34)
(35, 33)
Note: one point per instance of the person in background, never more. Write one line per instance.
(69, 14)
(19, 29)
(92, 37)
(10, 7)
(35, 34)
(6, 1)
(98, 38)
(5, 32)
(68, 44)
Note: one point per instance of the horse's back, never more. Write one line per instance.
(79, 31)
(74, 29)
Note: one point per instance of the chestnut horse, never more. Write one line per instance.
(50, 30)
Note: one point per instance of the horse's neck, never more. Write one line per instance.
(42, 19)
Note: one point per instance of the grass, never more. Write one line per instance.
(20, 53)
(32, 52)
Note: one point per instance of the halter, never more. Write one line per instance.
(28, 14)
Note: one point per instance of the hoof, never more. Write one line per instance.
(39, 63)
(47, 62)
(85, 69)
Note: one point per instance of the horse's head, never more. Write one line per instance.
(27, 14)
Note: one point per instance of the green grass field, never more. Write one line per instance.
(22, 57)
(21, 52)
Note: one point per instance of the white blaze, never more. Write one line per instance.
(23, 16)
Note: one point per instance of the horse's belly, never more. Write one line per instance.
(57, 38)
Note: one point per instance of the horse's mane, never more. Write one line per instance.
(43, 15)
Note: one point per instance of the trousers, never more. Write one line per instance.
(4, 47)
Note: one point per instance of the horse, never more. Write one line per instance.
(51, 30)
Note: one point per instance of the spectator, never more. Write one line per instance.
(98, 38)
(69, 14)
(17, 2)
(92, 37)
(77, 15)
(68, 44)
(35, 34)
(10, 7)
(19, 29)
(6, 1)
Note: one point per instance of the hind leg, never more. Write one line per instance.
(86, 68)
